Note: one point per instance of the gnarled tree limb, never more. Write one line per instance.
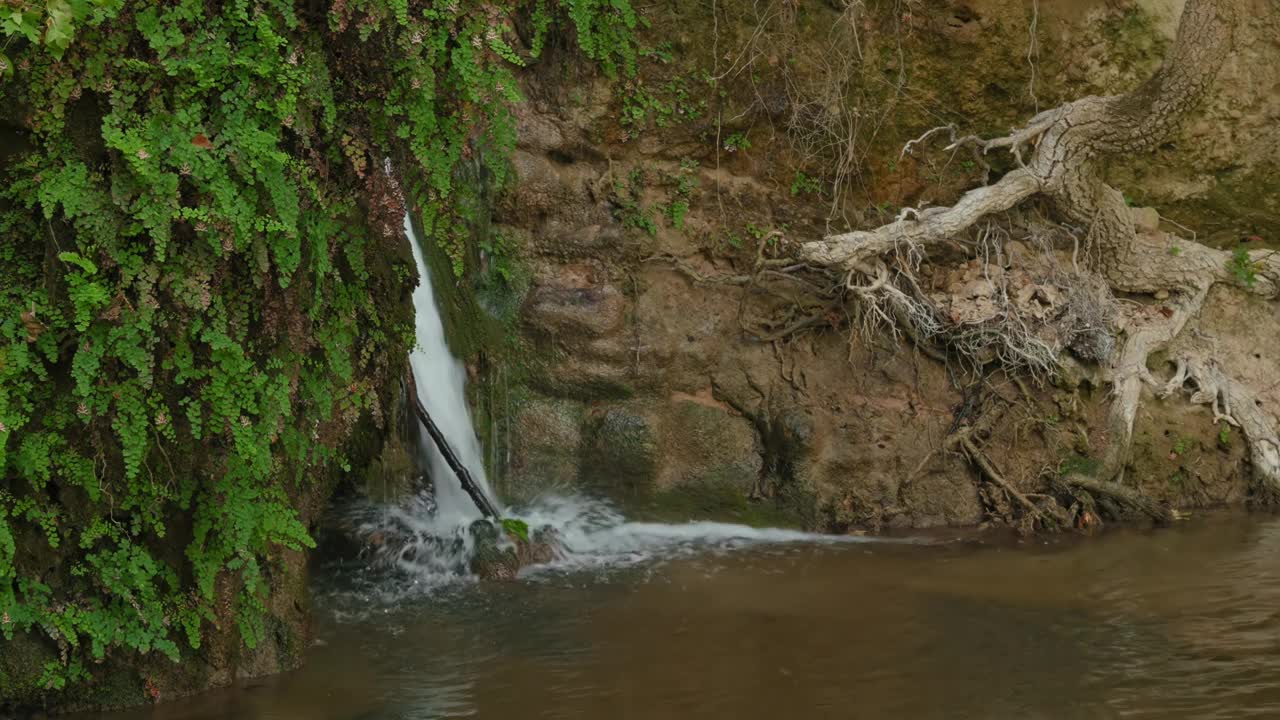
(1066, 145)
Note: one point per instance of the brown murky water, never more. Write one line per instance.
(1177, 623)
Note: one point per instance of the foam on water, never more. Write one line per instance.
(424, 555)
(594, 534)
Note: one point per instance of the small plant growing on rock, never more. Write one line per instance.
(676, 211)
(685, 183)
(1224, 438)
(1244, 270)
(1077, 464)
(663, 52)
(737, 141)
(803, 184)
(517, 528)
(631, 212)
(498, 249)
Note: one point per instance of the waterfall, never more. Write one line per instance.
(426, 537)
(441, 381)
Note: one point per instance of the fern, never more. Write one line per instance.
(188, 322)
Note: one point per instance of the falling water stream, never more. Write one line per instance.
(441, 383)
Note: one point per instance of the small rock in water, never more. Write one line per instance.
(501, 555)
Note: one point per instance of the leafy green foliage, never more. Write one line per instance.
(734, 240)
(500, 251)
(676, 211)
(663, 52)
(803, 184)
(1242, 267)
(518, 528)
(685, 182)
(665, 105)
(629, 208)
(605, 32)
(737, 141)
(192, 251)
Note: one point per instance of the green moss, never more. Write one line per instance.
(619, 454)
(1136, 43)
(543, 436)
(722, 501)
(1236, 206)
(1076, 464)
(480, 312)
(22, 660)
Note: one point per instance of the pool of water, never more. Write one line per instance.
(1173, 623)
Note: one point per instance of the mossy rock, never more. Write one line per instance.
(500, 553)
(722, 502)
(115, 684)
(545, 447)
(22, 661)
(706, 445)
(393, 475)
(620, 452)
(584, 380)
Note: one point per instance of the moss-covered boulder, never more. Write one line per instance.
(620, 451)
(545, 447)
(705, 443)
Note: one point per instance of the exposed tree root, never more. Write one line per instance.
(1150, 330)
(1234, 403)
(1050, 517)
(1124, 495)
(1065, 145)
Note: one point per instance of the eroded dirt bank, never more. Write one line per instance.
(651, 360)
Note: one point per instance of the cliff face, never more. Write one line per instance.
(655, 366)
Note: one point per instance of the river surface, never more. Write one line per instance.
(1173, 623)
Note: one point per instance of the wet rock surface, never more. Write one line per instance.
(500, 554)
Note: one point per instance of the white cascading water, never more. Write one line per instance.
(426, 537)
(441, 381)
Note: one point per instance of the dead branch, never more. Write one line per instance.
(1126, 496)
(979, 458)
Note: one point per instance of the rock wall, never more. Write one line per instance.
(638, 211)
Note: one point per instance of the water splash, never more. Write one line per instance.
(594, 534)
(426, 556)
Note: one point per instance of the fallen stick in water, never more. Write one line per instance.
(464, 477)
